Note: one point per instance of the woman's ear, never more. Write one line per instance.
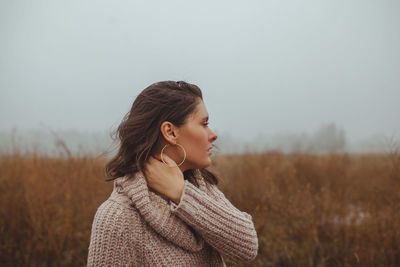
(169, 131)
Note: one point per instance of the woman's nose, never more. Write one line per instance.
(214, 136)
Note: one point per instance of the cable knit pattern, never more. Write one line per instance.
(136, 226)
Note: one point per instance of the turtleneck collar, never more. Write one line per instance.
(155, 209)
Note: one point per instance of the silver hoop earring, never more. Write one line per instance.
(184, 155)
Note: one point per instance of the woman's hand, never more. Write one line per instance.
(164, 179)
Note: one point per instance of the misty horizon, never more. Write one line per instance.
(329, 138)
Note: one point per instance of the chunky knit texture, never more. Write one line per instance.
(137, 226)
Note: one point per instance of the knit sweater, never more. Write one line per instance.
(137, 226)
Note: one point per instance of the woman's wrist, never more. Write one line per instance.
(178, 193)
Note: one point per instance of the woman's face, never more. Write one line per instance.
(197, 138)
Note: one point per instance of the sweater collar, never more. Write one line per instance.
(155, 209)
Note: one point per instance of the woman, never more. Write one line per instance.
(166, 208)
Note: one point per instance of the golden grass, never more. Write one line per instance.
(309, 210)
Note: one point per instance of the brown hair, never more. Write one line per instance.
(139, 131)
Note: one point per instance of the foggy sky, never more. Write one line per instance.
(263, 66)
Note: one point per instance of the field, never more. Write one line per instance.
(309, 210)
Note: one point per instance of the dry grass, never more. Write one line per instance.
(309, 210)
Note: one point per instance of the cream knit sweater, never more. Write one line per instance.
(136, 226)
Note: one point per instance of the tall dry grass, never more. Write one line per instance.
(47, 206)
(309, 210)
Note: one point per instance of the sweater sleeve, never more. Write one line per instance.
(229, 230)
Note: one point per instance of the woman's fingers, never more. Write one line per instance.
(150, 164)
(156, 159)
(169, 161)
(152, 159)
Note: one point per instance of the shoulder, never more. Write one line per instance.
(116, 220)
(115, 211)
(116, 235)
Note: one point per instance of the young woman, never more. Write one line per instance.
(166, 208)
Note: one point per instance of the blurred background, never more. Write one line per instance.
(274, 75)
(304, 96)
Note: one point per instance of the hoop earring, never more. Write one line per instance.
(184, 155)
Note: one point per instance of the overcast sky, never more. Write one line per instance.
(263, 66)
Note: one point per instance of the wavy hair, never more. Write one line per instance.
(139, 131)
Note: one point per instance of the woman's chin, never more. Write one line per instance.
(200, 164)
(206, 163)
